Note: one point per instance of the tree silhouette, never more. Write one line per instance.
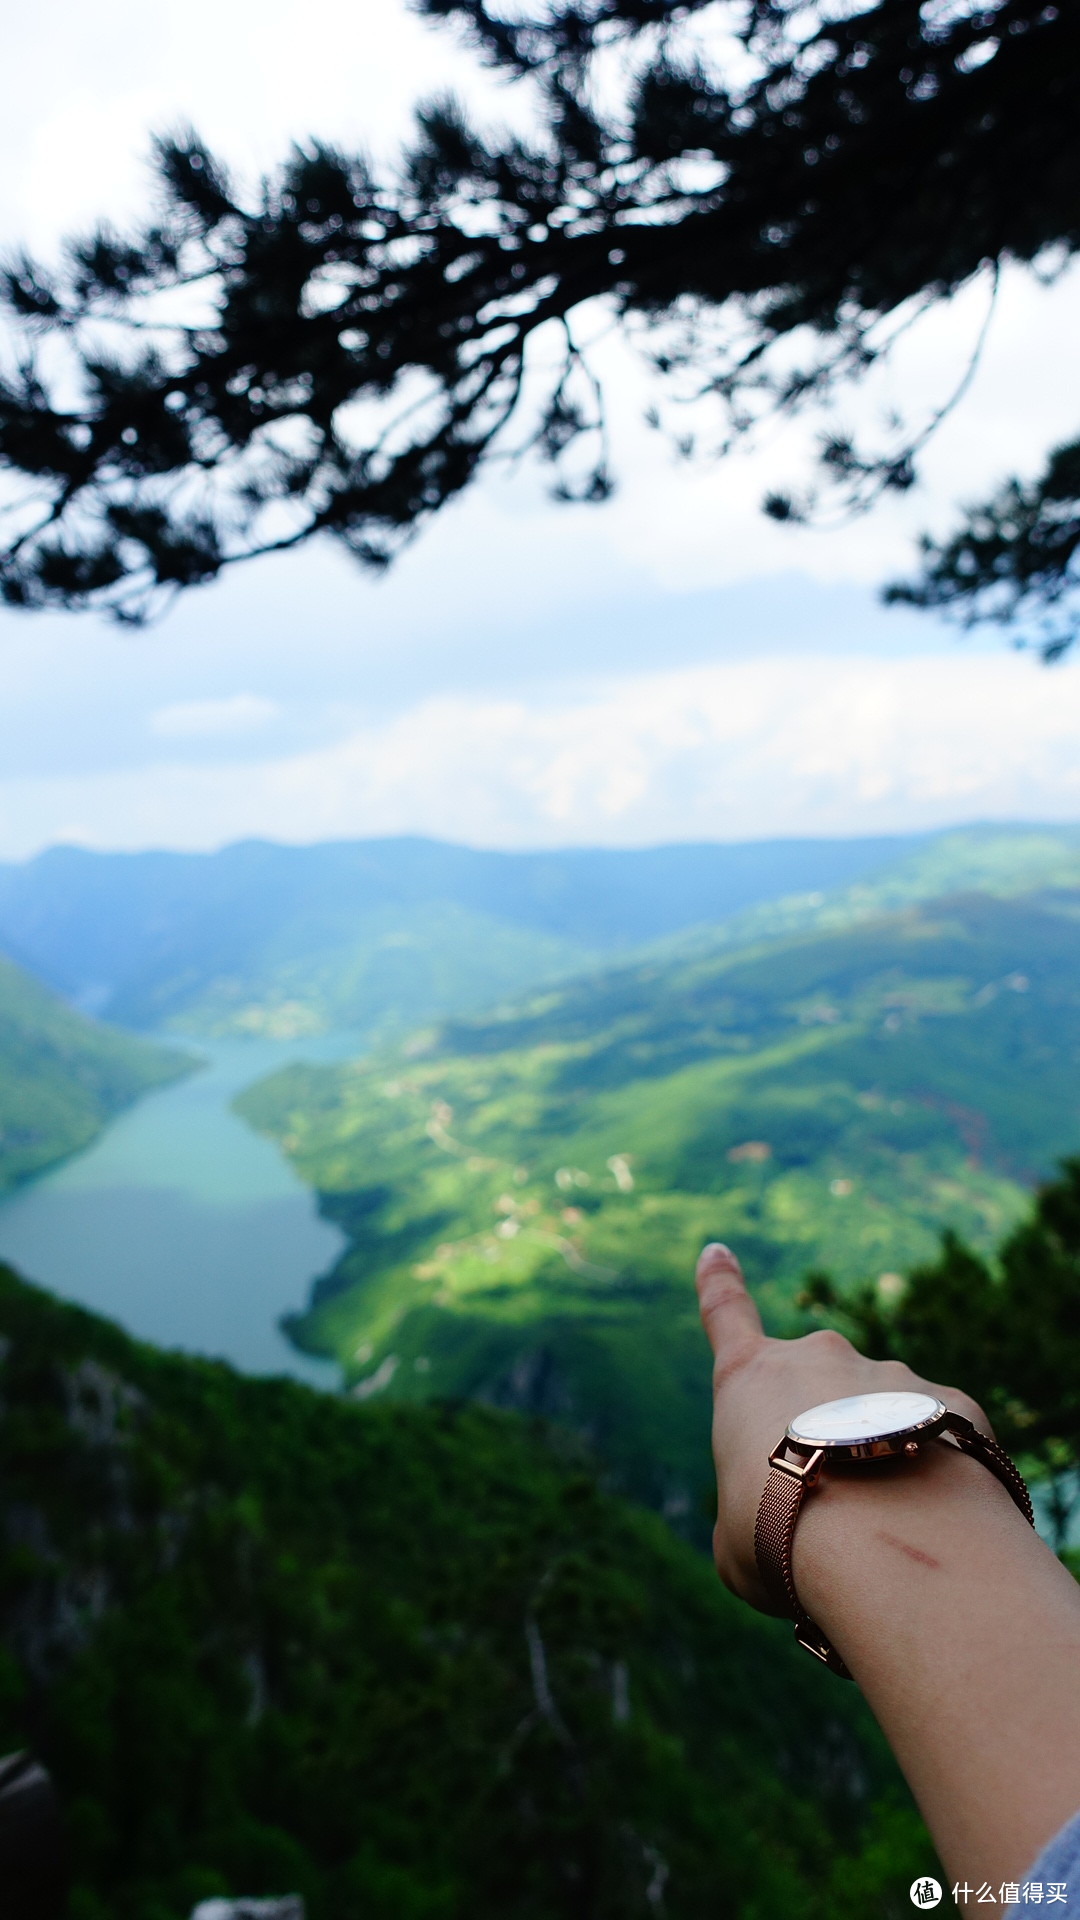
(342, 354)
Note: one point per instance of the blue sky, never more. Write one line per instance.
(669, 666)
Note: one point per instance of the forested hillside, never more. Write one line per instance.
(408, 1662)
(525, 1196)
(63, 1076)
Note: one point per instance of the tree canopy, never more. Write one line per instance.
(1008, 1328)
(764, 196)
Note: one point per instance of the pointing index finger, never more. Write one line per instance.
(731, 1320)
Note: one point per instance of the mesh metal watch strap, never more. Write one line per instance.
(785, 1490)
(789, 1482)
(982, 1448)
(779, 1510)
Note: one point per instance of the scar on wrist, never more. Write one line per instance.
(913, 1553)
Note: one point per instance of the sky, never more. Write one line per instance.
(671, 666)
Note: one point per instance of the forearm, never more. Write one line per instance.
(959, 1625)
(963, 1632)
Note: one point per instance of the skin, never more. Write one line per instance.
(961, 1628)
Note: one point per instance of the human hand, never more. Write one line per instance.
(759, 1385)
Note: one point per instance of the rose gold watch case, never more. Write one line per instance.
(879, 1448)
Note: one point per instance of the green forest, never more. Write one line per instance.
(412, 1663)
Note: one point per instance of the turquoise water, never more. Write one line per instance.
(183, 1224)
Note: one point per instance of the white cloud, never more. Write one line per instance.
(799, 746)
(86, 87)
(202, 719)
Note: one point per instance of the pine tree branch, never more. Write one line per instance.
(345, 354)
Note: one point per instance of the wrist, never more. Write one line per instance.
(873, 1433)
(901, 1535)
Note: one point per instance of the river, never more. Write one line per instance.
(181, 1223)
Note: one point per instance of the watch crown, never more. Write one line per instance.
(911, 1449)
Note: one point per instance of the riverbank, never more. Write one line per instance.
(183, 1224)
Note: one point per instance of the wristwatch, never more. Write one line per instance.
(863, 1428)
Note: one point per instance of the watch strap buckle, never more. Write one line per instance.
(806, 1470)
(809, 1636)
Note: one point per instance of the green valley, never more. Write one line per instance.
(409, 1663)
(525, 1195)
(62, 1076)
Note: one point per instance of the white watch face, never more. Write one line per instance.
(863, 1416)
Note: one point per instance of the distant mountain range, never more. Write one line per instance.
(381, 935)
